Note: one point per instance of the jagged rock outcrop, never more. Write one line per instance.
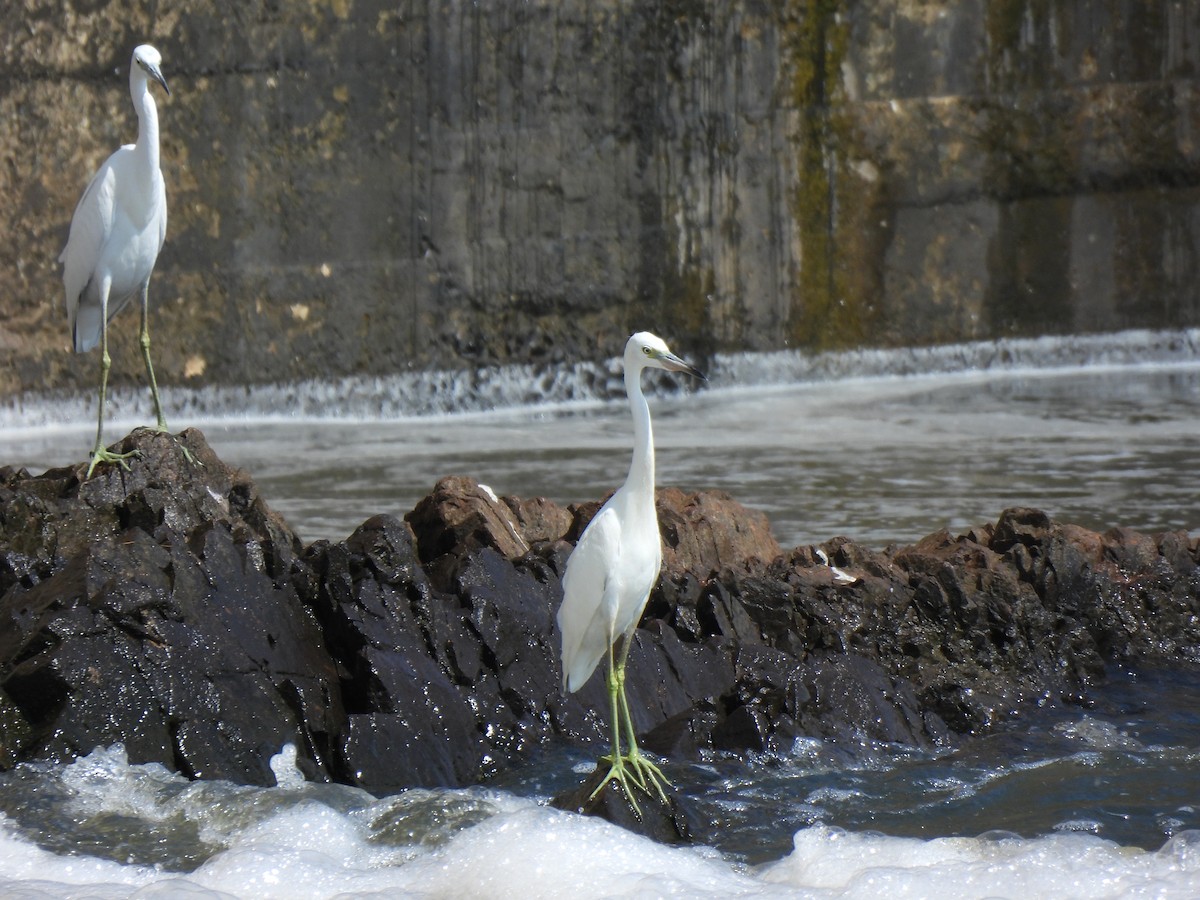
(154, 606)
(168, 608)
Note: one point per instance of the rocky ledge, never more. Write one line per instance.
(168, 608)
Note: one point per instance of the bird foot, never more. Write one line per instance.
(618, 774)
(103, 455)
(632, 770)
(187, 454)
(648, 774)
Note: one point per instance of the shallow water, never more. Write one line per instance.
(1069, 803)
(880, 460)
(1102, 802)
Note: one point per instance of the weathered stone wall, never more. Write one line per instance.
(364, 187)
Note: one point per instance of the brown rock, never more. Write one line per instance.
(539, 519)
(461, 515)
(710, 532)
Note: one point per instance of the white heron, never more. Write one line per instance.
(611, 572)
(116, 233)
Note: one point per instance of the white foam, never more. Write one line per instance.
(845, 865)
(27, 871)
(285, 769)
(304, 851)
(1047, 353)
(291, 845)
(1099, 735)
(421, 394)
(103, 782)
(543, 853)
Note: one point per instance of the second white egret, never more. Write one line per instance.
(611, 572)
(116, 234)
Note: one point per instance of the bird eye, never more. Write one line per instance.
(646, 350)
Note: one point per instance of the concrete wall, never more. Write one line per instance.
(368, 187)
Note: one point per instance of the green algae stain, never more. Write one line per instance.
(687, 296)
(833, 306)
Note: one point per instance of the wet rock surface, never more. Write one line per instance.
(155, 607)
(672, 822)
(167, 607)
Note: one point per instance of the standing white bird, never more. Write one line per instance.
(612, 570)
(116, 234)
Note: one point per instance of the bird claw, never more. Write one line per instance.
(648, 775)
(103, 455)
(187, 454)
(631, 770)
(617, 773)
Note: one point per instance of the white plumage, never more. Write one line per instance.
(116, 233)
(615, 565)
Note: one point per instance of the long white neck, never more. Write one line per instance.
(641, 470)
(147, 113)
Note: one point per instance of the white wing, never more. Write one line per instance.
(586, 617)
(91, 227)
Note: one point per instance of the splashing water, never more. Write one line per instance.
(820, 822)
(322, 846)
(881, 446)
(432, 393)
(879, 459)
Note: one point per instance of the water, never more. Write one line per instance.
(882, 459)
(1102, 802)
(879, 461)
(1097, 803)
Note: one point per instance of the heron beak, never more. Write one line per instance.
(157, 75)
(673, 363)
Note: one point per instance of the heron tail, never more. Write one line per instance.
(86, 332)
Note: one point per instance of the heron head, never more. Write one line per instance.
(149, 61)
(648, 350)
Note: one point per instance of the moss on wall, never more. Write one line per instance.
(834, 305)
(356, 190)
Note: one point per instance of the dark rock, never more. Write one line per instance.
(673, 822)
(404, 660)
(461, 674)
(762, 703)
(686, 733)
(167, 608)
(666, 676)
(156, 611)
(849, 698)
(1019, 526)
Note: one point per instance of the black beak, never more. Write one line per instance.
(674, 364)
(157, 75)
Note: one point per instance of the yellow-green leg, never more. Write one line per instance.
(144, 340)
(646, 773)
(616, 760)
(630, 769)
(100, 454)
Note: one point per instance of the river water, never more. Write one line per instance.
(1102, 802)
